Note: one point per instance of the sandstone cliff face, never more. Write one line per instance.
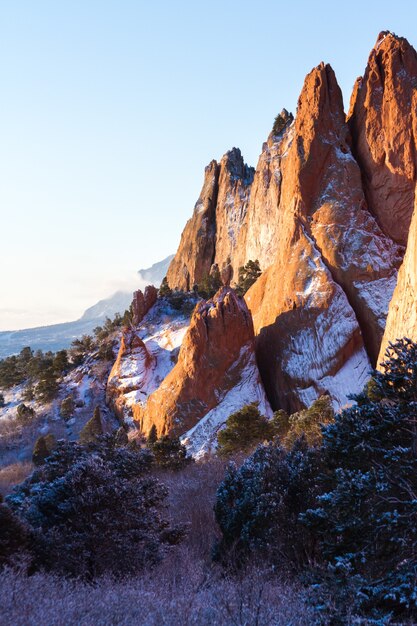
(143, 302)
(324, 213)
(210, 236)
(264, 221)
(331, 281)
(402, 316)
(146, 355)
(244, 218)
(382, 121)
(130, 373)
(196, 250)
(216, 353)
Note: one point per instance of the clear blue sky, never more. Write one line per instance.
(110, 110)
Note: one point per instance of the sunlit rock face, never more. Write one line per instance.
(216, 357)
(327, 213)
(382, 119)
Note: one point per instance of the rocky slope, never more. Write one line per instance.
(187, 376)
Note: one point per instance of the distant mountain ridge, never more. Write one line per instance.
(59, 336)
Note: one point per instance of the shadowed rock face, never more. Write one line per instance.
(382, 119)
(215, 350)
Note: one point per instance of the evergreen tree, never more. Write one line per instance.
(247, 276)
(2, 401)
(152, 437)
(366, 515)
(92, 429)
(209, 284)
(67, 407)
(165, 290)
(60, 363)
(244, 429)
(170, 453)
(43, 448)
(281, 121)
(47, 387)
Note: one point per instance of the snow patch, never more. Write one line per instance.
(202, 438)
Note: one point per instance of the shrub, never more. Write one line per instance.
(248, 274)
(28, 394)
(170, 453)
(92, 429)
(243, 430)
(258, 506)
(43, 447)
(25, 414)
(95, 510)
(308, 422)
(13, 536)
(67, 407)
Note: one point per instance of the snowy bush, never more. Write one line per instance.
(258, 505)
(95, 510)
(348, 507)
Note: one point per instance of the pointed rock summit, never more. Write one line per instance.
(382, 119)
(210, 236)
(327, 214)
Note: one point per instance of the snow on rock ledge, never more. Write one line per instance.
(202, 438)
(146, 355)
(208, 381)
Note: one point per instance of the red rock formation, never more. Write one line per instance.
(129, 372)
(382, 119)
(196, 250)
(210, 236)
(215, 349)
(333, 268)
(402, 315)
(142, 303)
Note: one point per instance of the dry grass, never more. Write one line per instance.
(13, 474)
(181, 592)
(192, 494)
